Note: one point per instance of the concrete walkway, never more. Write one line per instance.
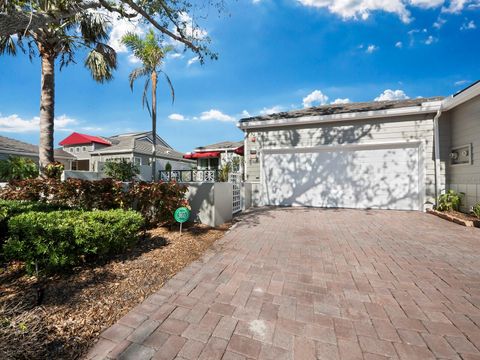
(316, 284)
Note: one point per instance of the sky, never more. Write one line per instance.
(273, 56)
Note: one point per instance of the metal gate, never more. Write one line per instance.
(236, 180)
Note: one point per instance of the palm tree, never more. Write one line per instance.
(59, 41)
(151, 53)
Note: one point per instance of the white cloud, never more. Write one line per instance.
(389, 95)
(315, 97)
(468, 25)
(399, 44)
(215, 115)
(426, 4)
(430, 40)
(371, 49)
(121, 26)
(176, 117)
(245, 114)
(439, 23)
(461, 82)
(361, 9)
(457, 6)
(15, 124)
(193, 61)
(271, 110)
(341, 101)
(190, 28)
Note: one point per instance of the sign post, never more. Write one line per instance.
(181, 215)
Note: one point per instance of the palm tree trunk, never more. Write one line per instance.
(154, 125)
(47, 110)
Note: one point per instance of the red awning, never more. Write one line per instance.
(203, 155)
(240, 150)
(77, 138)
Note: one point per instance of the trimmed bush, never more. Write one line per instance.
(63, 239)
(450, 201)
(10, 208)
(476, 210)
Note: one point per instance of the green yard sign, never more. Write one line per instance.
(182, 215)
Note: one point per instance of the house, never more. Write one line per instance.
(91, 152)
(387, 155)
(214, 156)
(11, 147)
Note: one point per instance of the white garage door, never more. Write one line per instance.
(383, 178)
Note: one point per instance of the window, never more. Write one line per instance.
(203, 164)
(84, 149)
(214, 163)
(137, 161)
(77, 149)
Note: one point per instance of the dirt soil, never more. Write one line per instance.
(76, 307)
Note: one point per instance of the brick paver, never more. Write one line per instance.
(316, 284)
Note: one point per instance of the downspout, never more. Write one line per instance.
(436, 139)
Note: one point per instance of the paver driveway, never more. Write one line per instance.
(312, 283)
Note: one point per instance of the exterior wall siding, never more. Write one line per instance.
(413, 128)
(465, 129)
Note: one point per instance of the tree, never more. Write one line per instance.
(151, 54)
(173, 18)
(122, 170)
(60, 41)
(17, 168)
(49, 26)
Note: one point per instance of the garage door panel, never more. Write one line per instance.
(378, 178)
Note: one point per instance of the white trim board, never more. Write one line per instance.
(343, 147)
(426, 108)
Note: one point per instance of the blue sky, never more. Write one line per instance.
(273, 56)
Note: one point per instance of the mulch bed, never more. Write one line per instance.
(457, 217)
(77, 306)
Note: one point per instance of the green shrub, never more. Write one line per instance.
(449, 201)
(54, 170)
(17, 168)
(10, 208)
(476, 210)
(156, 201)
(62, 239)
(121, 169)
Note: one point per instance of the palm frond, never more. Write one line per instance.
(7, 46)
(93, 27)
(137, 73)
(170, 85)
(145, 96)
(101, 62)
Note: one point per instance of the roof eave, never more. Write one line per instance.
(462, 97)
(424, 108)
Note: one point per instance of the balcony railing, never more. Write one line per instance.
(189, 175)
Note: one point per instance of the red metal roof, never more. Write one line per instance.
(202, 155)
(77, 138)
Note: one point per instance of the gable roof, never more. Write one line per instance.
(17, 147)
(134, 143)
(336, 109)
(9, 145)
(224, 145)
(142, 135)
(77, 139)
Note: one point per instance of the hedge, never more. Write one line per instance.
(156, 201)
(10, 208)
(62, 239)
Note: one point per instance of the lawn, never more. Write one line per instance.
(78, 305)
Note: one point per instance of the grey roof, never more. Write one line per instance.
(12, 146)
(147, 135)
(224, 145)
(333, 109)
(130, 142)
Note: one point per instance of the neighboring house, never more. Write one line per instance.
(11, 147)
(91, 152)
(214, 156)
(388, 155)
